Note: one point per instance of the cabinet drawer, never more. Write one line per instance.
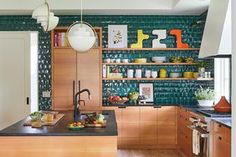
(223, 132)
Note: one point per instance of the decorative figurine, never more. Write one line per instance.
(161, 34)
(178, 34)
(141, 37)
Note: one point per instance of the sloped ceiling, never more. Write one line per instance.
(108, 7)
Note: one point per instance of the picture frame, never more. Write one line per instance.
(146, 90)
(117, 36)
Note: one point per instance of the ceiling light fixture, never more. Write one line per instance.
(47, 19)
(81, 35)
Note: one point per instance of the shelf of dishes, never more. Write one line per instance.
(113, 73)
(162, 60)
(157, 79)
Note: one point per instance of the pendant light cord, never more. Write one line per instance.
(81, 11)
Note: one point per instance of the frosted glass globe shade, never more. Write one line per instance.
(81, 37)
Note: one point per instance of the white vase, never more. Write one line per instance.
(205, 103)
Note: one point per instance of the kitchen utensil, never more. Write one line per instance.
(223, 105)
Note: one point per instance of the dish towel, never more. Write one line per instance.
(196, 142)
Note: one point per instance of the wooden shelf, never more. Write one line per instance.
(65, 47)
(149, 63)
(150, 49)
(153, 79)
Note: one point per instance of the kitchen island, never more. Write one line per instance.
(57, 140)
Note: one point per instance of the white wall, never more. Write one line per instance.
(234, 80)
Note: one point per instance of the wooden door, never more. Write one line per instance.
(89, 75)
(148, 126)
(15, 76)
(167, 125)
(64, 73)
(130, 127)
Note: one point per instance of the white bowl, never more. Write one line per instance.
(159, 59)
(205, 103)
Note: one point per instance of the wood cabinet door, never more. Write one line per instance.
(148, 126)
(167, 125)
(63, 75)
(89, 75)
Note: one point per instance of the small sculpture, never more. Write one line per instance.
(178, 34)
(161, 34)
(141, 37)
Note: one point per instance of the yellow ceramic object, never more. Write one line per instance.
(188, 74)
(163, 73)
(141, 37)
(140, 60)
(195, 74)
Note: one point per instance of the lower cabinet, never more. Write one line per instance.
(146, 127)
(221, 140)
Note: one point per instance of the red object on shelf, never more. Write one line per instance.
(223, 105)
(178, 34)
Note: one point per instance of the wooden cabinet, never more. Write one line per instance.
(167, 125)
(143, 127)
(69, 66)
(221, 140)
(63, 75)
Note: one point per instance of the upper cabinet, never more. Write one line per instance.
(216, 40)
(69, 67)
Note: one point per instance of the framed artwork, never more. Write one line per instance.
(146, 90)
(117, 36)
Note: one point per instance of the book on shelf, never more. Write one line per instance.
(60, 39)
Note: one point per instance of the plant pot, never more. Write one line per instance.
(205, 103)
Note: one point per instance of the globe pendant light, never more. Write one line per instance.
(81, 35)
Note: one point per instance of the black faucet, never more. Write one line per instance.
(77, 100)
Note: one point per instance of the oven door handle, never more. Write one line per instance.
(203, 135)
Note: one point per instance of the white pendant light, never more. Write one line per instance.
(81, 35)
(47, 19)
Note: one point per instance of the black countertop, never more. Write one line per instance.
(60, 129)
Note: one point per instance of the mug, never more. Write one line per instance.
(125, 60)
(154, 74)
(130, 73)
(138, 73)
(117, 60)
(148, 73)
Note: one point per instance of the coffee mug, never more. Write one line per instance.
(138, 73)
(154, 74)
(148, 73)
(130, 73)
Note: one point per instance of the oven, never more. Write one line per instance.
(200, 137)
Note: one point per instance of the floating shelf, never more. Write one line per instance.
(149, 63)
(65, 47)
(153, 79)
(150, 49)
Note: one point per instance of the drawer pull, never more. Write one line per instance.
(220, 138)
(121, 106)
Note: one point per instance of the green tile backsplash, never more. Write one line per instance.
(166, 92)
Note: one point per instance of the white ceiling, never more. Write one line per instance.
(108, 7)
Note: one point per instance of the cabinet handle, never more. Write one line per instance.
(220, 138)
(220, 125)
(156, 106)
(121, 106)
(27, 100)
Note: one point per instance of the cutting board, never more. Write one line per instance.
(55, 120)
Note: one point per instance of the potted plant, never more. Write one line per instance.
(205, 97)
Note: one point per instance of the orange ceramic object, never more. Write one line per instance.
(223, 105)
(178, 34)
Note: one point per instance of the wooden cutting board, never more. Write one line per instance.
(55, 120)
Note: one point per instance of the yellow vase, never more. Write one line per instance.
(163, 73)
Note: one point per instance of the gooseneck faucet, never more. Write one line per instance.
(77, 101)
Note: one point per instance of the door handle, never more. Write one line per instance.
(27, 100)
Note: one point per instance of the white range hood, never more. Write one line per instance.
(216, 40)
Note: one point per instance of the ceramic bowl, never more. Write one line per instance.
(159, 59)
(175, 75)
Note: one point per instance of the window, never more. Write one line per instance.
(222, 78)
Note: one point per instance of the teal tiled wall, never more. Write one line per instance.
(164, 89)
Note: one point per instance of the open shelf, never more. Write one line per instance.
(153, 79)
(150, 49)
(149, 63)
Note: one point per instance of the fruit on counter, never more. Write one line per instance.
(189, 60)
(176, 59)
(117, 99)
(133, 95)
(76, 125)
